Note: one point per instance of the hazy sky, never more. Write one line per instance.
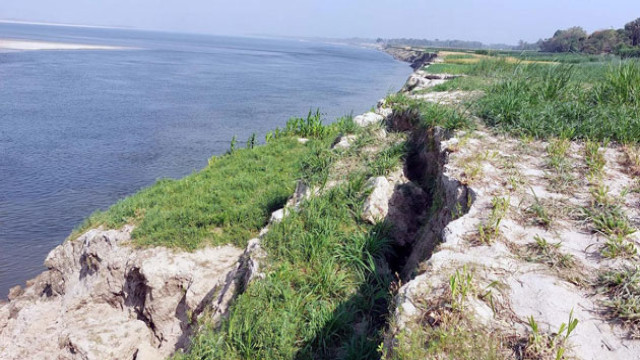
(489, 21)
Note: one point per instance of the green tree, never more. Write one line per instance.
(569, 40)
(633, 31)
(603, 41)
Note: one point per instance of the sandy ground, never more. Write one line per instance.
(22, 45)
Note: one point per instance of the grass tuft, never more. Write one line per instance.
(387, 160)
(623, 289)
(549, 253)
(489, 231)
(607, 215)
(619, 247)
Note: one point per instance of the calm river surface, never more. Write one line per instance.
(81, 129)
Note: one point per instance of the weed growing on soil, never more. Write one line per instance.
(549, 253)
(460, 286)
(619, 247)
(547, 346)
(539, 212)
(594, 158)
(606, 214)
(448, 330)
(623, 290)
(631, 160)
(560, 176)
(489, 231)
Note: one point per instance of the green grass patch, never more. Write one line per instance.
(568, 58)
(467, 83)
(227, 202)
(459, 56)
(232, 198)
(387, 160)
(411, 114)
(454, 69)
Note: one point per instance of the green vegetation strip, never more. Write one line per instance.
(227, 202)
(599, 101)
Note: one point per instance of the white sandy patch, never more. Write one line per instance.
(9, 44)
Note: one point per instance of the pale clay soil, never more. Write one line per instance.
(508, 168)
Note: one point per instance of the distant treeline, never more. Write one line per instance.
(446, 44)
(624, 42)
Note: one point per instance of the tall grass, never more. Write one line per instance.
(547, 100)
(446, 69)
(311, 126)
(566, 58)
(316, 164)
(622, 85)
(325, 295)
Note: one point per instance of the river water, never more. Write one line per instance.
(80, 129)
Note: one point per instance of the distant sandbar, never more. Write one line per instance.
(23, 45)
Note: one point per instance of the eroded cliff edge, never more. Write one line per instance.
(103, 299)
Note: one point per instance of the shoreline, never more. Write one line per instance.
(417, 58)
(35, 45)
(40, 23)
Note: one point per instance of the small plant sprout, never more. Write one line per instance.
(460, 285)
(539, 212)
(490, 230)
(543, 345)
(568, 328)
(536, 338)
(232, 146)
(251, 142)
(563, 335)
(594, 158)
